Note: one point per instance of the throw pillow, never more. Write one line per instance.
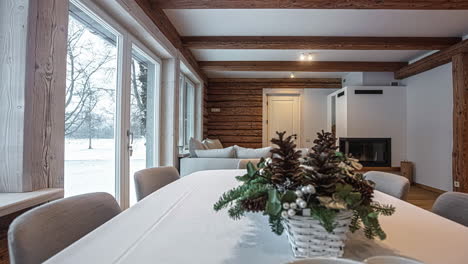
(225, 153)
(195, 144)
(212, 144)
(250, 153)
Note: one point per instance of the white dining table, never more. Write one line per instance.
(177, 225)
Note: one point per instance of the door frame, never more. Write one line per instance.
(127, 42)
(272, 92)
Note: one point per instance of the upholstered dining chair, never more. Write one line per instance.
(389, 183)
(42, 232)
(453, 206)
(243, 163)
(150, 180)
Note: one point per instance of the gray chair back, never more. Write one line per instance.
(242, 165)
(150, 180)
(454, 206)
(42, 232)
(389, 183)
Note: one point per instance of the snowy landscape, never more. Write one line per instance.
(93, 170)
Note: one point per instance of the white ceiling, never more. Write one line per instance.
(319, 55)
(309, 22)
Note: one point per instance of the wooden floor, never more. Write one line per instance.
(421, 197)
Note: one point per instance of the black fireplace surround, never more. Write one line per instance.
(371, 152)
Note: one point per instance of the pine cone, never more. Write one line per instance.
(362, 186)
(323, 157)
(256, 204)
(285, 165)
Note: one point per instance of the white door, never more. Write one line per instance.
(283, 115)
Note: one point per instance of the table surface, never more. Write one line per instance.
(177, 224)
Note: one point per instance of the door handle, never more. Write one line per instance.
(130, 142)
(130, 137)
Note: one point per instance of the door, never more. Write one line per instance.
(283, 114)
(144, 115)
(112, 107)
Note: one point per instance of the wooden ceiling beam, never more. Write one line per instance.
(271, 80)
(313, 4)
(163, 23)
(437, 59)
(316, 42)
(302, 66)
(275, 82)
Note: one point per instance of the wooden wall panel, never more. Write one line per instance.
(13, 39)
(33, 71)
(239, 121)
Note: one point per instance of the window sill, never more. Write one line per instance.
(14, 202)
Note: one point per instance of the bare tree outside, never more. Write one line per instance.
(89, 70)
(92, 107)
(139, 97)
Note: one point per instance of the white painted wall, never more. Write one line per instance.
(429, 126)
(379, 116)
(368, 79)
(314, 114)
(378, 78)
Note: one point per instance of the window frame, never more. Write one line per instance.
(126, 43)
(184, 125)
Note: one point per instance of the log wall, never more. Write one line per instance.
(239, 121)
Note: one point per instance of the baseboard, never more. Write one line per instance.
(429, 188)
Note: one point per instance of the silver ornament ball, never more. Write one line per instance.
(293, 205)
(303, 204)
(310, 189)
(291, 212)
(299, 193)
(299, 200)
(286, 206)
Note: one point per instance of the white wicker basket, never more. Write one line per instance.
(308, 238)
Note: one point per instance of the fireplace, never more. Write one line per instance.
(371, 152)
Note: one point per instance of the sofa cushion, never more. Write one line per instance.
(217, 153)
(250, 153)
(191, 165)
(195, 144)
(212, 143)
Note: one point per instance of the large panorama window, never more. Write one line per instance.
(111, 115)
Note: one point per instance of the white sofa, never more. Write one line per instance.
(190, 165)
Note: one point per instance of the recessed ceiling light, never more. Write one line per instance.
(292, 75)
(310, 57)
(302, 57)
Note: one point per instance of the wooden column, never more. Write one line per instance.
(460, 122)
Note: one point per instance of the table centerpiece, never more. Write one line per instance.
(316, 199)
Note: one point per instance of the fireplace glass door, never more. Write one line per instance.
(371, 152)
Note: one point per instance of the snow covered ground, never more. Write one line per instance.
(93, 170)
